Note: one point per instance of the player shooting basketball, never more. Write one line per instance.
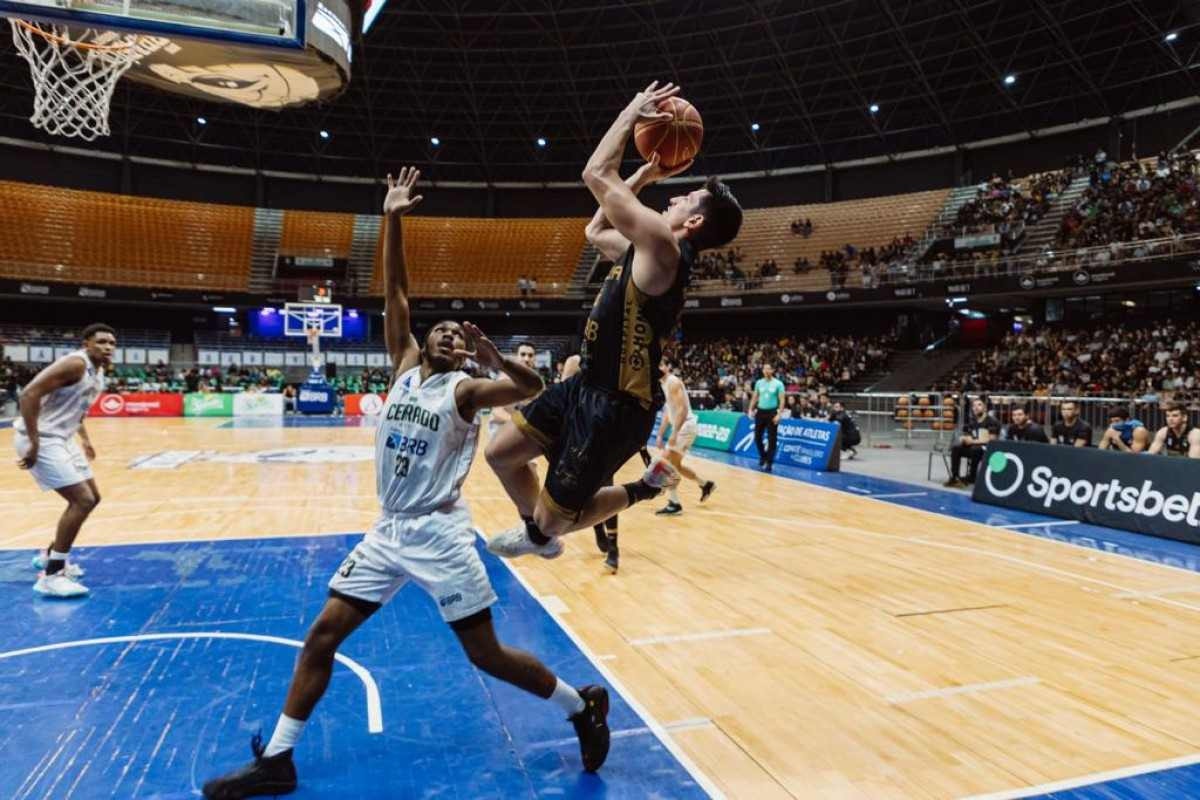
(423, 450)
(590, 425)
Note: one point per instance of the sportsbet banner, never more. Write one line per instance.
(1135, 492)
(207, 404)
(139, 404)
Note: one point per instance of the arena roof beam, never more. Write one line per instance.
(931, 96)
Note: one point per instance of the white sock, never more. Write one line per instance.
(673, 494)
(566, 698)
(57, 556)
(287, 733)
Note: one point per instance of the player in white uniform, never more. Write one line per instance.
(53, 407)
(423, 450)
(502, 414)
(684, 427)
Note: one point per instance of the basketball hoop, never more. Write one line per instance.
(75, 72)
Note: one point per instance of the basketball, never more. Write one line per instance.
(676, 140)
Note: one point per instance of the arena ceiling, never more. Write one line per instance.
(780, 83)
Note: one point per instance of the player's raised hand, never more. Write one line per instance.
(645, 103)
(400, 198)
(485, 353)
(653, 171)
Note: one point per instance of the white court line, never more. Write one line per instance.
(555, 604)
(859, 489)
(202, 540)
(681, 725)
(1091, 778)
(899, 494)
(374, 707)
(1039, 524)
(657, 728)
(969, 688)
(703, 635)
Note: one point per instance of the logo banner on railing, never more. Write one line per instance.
(1134, 492)
(207, 404)
(808, 443)
(137, 404)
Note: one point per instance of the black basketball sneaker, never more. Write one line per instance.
(591, 726)
(272, 775)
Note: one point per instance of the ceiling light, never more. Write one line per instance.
(1009, 80)
(324, 134)
(754, 126)
(541, 141)
(874, 108)
(435, 141)
(1172, 36)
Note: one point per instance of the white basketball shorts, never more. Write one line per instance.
(60, 462)
(687, 435)
(435, 551)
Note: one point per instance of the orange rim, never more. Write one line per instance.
(54, 37)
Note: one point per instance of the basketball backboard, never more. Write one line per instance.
(267, 54)
(263, 22)
(299, 318)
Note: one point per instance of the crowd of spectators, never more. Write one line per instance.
(1154, 363)
(1004, 206)
(720, 266)
(725, 369)
(1135, 202)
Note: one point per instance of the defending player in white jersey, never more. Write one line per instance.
(677, 413)
(53, 407)
(423, 450)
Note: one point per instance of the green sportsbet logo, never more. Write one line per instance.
(1005, 471)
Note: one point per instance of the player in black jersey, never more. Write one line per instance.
(1071, 430)
(590, 425)
(1177, 437)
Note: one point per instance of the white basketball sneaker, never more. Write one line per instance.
(72, 569)
(515, 542)
(59, 585)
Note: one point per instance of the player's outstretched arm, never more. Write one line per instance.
(646, 229)
(64, 373)
(1160, 441)
(519, 381)
(402, 347)
(1194, 443)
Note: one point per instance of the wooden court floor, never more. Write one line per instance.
(797, 642)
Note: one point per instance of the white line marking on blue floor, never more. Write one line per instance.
(898, 494)
(859, 489)
(1039, 524)
(374, 707)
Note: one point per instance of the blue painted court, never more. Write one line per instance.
(156, 718)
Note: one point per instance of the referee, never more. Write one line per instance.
(765, 404)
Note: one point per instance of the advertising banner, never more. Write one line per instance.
(316, 398)
(808, 443)
(717, 429)
(41, 354)
(208, 358)
(367, 405)
(207, 404)
(1147, 494)
(135, 355)
(138, 404)
(257, 404)
(17, 352)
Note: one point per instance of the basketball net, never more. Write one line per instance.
(75, 72)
